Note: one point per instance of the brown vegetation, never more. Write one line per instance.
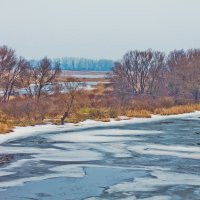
(178, 109)
(138, 113)
(144, 83)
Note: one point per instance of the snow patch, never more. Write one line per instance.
(167, 150)
(146, 184)
(69, 156)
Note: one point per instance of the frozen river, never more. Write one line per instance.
(152, 159)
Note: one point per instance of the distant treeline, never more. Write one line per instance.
(83, 64)
(154, 74)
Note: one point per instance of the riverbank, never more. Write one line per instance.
(97, 155)
(100, 115)
(21, 132)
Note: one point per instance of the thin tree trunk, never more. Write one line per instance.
(64, 117)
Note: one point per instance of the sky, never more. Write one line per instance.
(97, 28)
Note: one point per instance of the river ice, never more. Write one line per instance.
(137, 159)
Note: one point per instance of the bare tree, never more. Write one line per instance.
(139, 72)
(11, 69)
(122, 89)
(183, 76)
(37, 79)
(69, 92)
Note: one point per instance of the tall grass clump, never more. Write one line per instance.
(138, 113)
(5, 125)
(181, 109)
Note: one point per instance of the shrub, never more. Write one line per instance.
(4, 128)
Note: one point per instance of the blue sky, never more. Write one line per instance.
(98, 28)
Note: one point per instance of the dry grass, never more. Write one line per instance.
(100, 112)
(5, 125)
(138, 113)
(4, 128)
(174, 110)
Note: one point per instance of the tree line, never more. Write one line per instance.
(17, 72)
(37, 80)
(142, 80)
(155, 74)
(83, 64)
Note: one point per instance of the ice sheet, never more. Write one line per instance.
(158, 179)
(167, 150)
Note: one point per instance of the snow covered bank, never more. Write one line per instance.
(22, 132)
